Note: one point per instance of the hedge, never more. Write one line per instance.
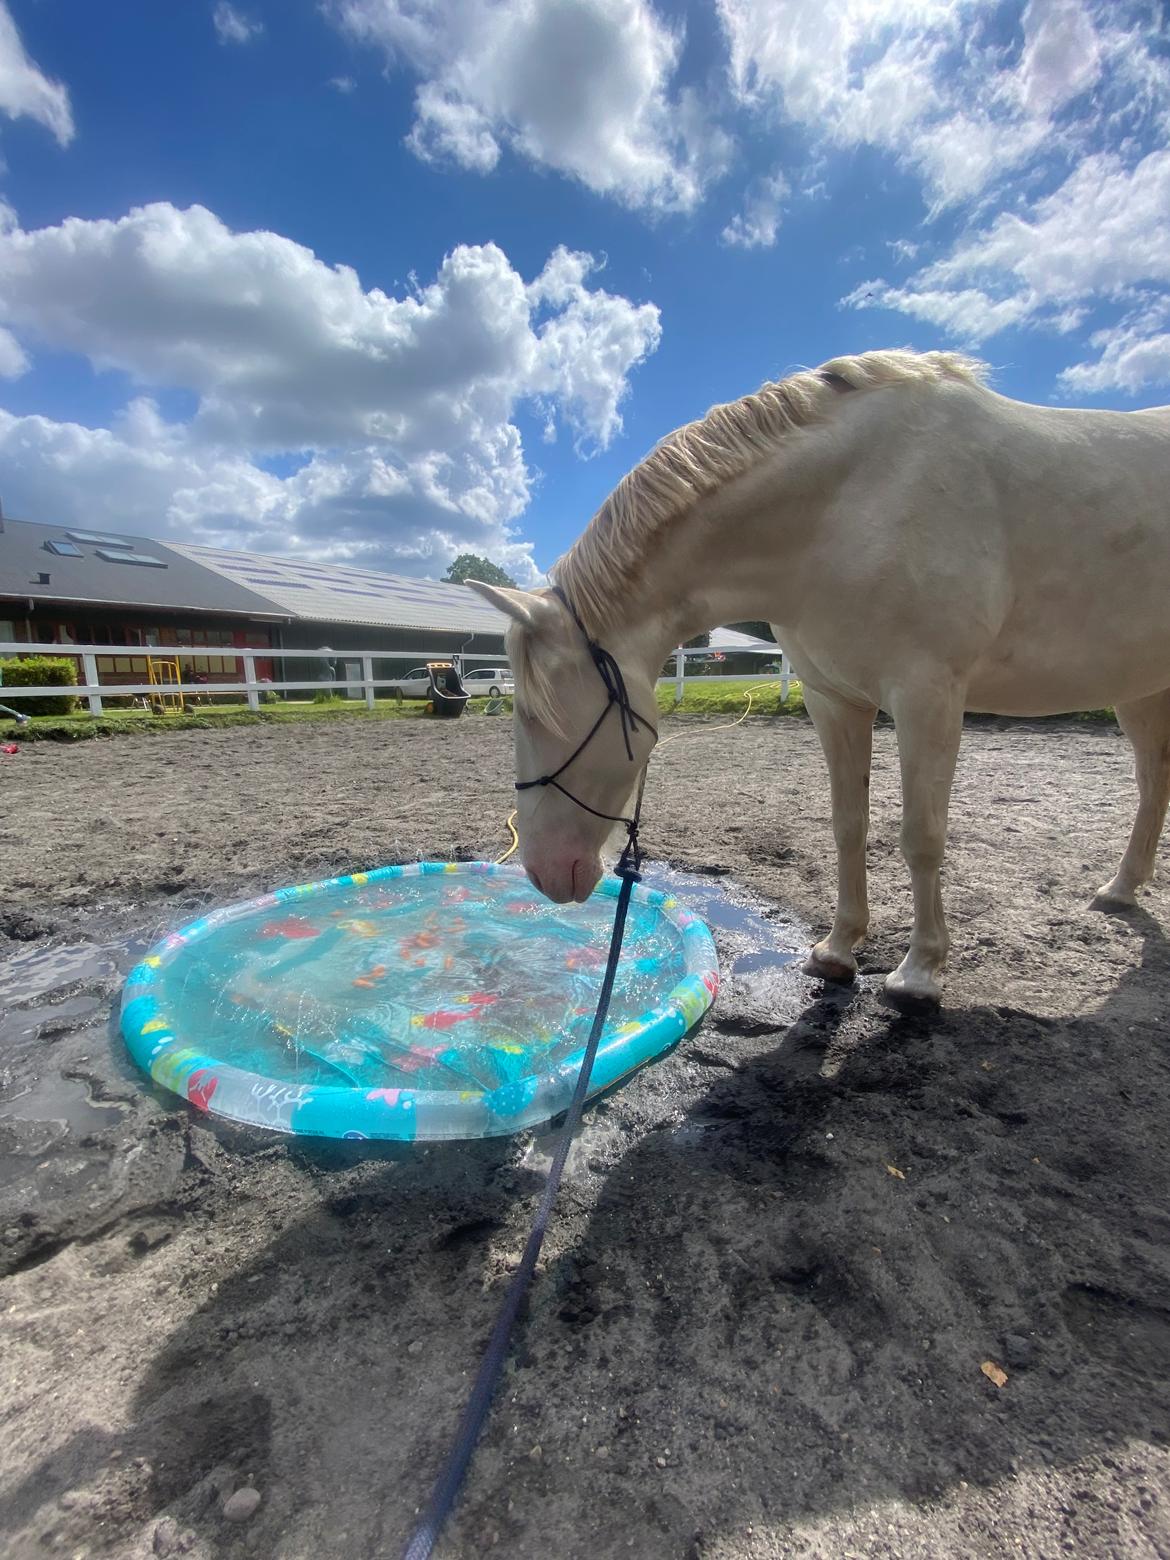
(40, 671)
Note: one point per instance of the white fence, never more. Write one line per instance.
(682, 676)
(92, 687)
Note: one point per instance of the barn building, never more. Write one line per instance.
(64, 585)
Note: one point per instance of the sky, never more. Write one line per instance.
(385, 281)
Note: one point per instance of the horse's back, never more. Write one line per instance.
(1027, 547)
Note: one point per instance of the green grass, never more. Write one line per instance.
(132, 723)
(729, 696)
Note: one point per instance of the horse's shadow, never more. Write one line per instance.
(770, 1306)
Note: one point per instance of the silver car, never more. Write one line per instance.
(415, 685)
(492, 680)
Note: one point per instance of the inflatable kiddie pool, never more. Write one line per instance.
(439, 1000)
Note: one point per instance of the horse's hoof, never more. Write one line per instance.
(1110, 897)
(913, 994)
(828, 966)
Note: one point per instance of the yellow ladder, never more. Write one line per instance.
(165, 676)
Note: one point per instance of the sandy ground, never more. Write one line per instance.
(750, 1337)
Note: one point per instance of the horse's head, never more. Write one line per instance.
(560, 696)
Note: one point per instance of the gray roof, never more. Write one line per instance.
(344, 593)
(115, 569)
(98, 577)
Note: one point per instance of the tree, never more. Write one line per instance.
(470, 567)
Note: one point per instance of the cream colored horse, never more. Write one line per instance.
(922, 545)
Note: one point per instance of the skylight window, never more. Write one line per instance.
(64, 549)
(143, 559)
(99, 539)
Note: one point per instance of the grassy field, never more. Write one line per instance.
(729, 696)
(726, 697)
(123, 722)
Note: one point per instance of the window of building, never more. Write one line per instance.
(105, 634)
(143, 559)
(97, 539)
(64, 549)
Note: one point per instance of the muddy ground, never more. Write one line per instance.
(781, 1256)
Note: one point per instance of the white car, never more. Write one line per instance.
(492, 680)
(415, 685)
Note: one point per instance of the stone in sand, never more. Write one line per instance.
(242, 1505)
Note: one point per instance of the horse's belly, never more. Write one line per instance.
(1096, 677)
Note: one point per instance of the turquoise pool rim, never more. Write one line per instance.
(178, 1064)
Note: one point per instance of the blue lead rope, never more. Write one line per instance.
(454, 1469)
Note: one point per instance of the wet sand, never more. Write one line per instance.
(781, 1258)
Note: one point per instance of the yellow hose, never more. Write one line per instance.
(727, 725)
(514, 846)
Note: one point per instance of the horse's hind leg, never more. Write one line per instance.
(1146, 722)
(846, 735)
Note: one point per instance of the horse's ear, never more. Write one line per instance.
(522, 606)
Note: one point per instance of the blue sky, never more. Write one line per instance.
(388, 280)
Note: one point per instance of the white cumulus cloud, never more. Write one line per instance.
(1103, 236)
(396, 412)
(25, 90)
(1061, 58)
(1080, 104)
(1133, 353)
(755, 226)
(928, 81)
(233, 26)
(585, 87)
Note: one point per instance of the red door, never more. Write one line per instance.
(255, 639)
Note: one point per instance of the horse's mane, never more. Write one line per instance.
(696, 459)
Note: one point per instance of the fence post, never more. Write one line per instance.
(680, 672)
(368, 679)
(250, 678)
(784, 678)
(91, 682)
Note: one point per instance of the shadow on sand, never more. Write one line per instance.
(775, 1276)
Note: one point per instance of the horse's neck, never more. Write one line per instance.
(695, 574)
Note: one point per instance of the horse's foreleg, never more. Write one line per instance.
(1146, 722)
(846, 734)
(929, 723)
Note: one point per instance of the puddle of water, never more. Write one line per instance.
(37, 971)
(763, 959)
(59, 1099)
(27, 1023)
(756, 942)
(34, 1036)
